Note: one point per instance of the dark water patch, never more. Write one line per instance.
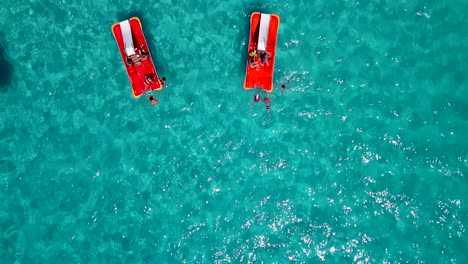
(6, 69)
(6, 166)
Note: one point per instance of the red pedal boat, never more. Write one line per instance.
(136, 56)
(262, 51)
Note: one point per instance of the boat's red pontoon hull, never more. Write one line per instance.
(137, 72)
(259, 73)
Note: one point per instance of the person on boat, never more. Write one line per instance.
(129, 61)
(133, 60)
(254, 64)
(253, 53)
(149, 79)
(143, 52)
(264, 57)
(267, 102)
(253, 59)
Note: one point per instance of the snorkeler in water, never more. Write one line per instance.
(256, 97)
(284, 86)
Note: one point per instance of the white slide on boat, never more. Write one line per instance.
(127, 37)
(263, 33)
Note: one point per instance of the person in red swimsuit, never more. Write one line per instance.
(149, 79)
(257, 97)
(267, 102)
(153, 100)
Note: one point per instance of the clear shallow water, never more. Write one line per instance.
(364, 159)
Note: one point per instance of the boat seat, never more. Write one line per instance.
(263, 33)
(129, 48)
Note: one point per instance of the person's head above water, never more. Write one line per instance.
(153, 100)
(256, 98)
(163, 81)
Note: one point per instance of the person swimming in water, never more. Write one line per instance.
(163, 81)
(256, 97)
(153, 100)
(149, 94)
(150, 79)
(267, 102)
(284, 86)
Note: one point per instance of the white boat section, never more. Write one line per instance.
(263, 33)
(127, 37)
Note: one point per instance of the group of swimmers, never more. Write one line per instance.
(266, 100)
(142, 54)
(135, 59)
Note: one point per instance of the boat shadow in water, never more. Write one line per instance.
(148, 36)
(251, 8)
(6, 69)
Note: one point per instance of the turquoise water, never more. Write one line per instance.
(364, 160)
